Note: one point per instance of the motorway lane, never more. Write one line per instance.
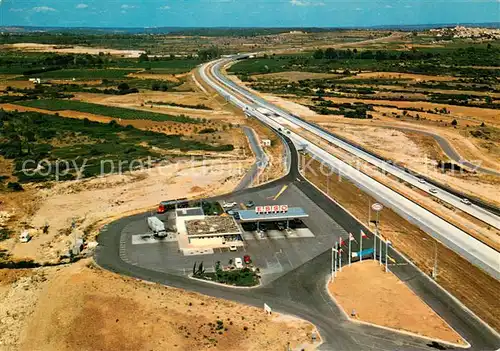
(474, 210)
(461, 242)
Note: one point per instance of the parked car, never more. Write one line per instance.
(238, 263)
(24, 237)
(249, 204)
(229, 204)
(247, 259)
(281, 225)
(233, 248)
(433, 190)
(466, 201)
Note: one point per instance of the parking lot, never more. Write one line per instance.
(274, 253)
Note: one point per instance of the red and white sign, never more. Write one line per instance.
(271, 209)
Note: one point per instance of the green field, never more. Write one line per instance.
(116, 112)
(86, 74)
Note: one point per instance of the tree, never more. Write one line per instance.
(488, 100)
(123, 86)
(318, 54)
(454, 122)
(143, 58)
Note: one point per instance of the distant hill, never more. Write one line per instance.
(223, 31)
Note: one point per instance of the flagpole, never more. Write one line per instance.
(381, 242)
(386, 248)
(340, 259)
(331, 277)
(350, 239)
(335, 263)
(361, 247)
(375, 246)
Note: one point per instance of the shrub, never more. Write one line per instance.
(14, 186)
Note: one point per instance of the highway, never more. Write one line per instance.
(474, 210)
(461, 242)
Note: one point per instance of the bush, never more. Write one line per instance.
(14, 186)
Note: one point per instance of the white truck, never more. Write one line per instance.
(157, 227)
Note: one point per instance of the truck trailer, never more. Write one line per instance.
(157, 227)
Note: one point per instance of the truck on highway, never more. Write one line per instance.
(157, 227)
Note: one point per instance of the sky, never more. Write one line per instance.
(244, 13)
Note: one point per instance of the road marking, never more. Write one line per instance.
(392, 259)
(281, 192)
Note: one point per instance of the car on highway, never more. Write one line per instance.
(247, 259)
(229, 204)
(466, 201)
(433, 190)
(421, 181)
(238, 263)
(249, 204)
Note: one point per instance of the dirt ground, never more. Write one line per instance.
(471, 114)
(471, 285)
(83, 307)
(93, 202)
(396, 75)
(391, 302)
(136, 100)
(419, 153)
(295, 76)
(487, 153)
(70, 49)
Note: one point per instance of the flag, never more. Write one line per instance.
(341, 242)
(351, 237)
(363, 235)
(361, 245)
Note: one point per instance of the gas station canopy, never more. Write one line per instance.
(262, 216)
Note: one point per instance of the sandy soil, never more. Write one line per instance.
(469, 148)
(472, 114)
(391, 303)
(295, 76)
(69, 49)
(83, 307)
(146, 75)
(91, 202)
(396, 75)
(472, 286)
(136, 100)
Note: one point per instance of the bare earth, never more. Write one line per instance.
(81, 307)
(70, 49)
(381, 298)
(92, 202)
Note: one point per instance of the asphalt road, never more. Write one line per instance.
(261, 159)
(451, 152)
(302, 291)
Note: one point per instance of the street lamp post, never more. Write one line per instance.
(434, 273)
